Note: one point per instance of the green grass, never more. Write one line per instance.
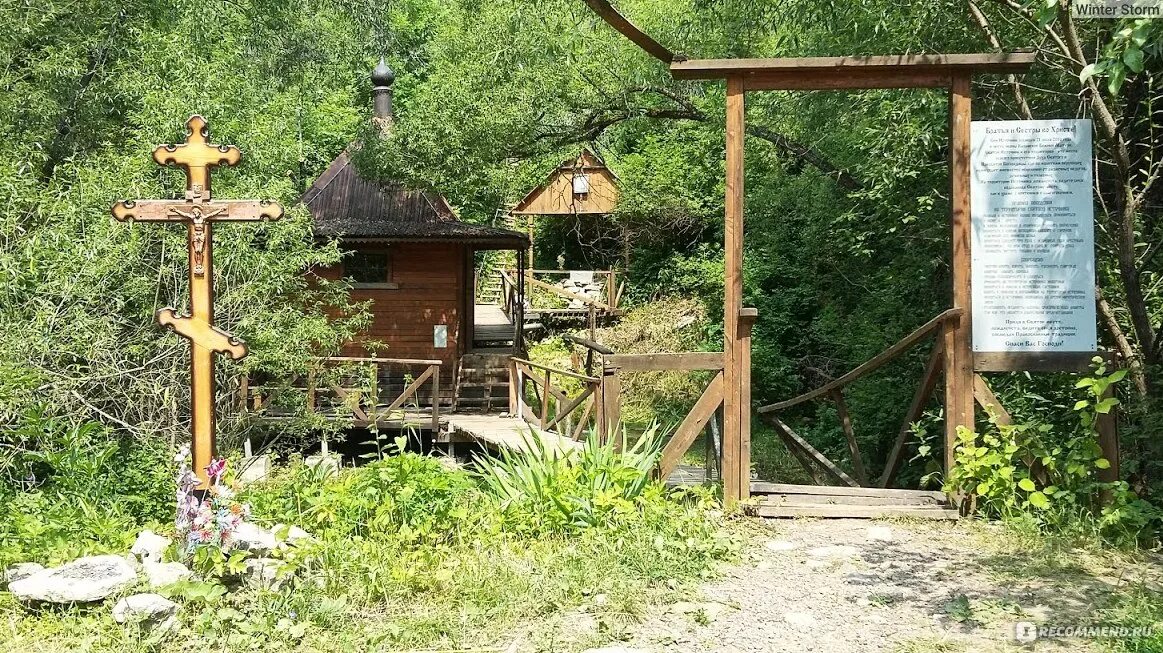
(412, 556)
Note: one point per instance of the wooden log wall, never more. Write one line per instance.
(427, 285)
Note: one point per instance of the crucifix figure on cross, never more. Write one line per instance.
(198, 211)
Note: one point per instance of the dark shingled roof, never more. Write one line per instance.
(346, 205)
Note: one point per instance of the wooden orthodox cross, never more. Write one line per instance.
(198, 211)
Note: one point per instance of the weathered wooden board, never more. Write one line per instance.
(759, 487)
(852, 512)
(509, 433)
(677, 361)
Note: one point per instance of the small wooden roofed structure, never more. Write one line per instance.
(411, 257)
(951, 71)
(581, 185)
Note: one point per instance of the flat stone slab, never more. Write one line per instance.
(83, 580)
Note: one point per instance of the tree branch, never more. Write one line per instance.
(991, 36)
(603, 118)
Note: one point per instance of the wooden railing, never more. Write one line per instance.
(593, 349)
(553, 409)
(347, 396)
(607, 302)
(813, 461)
(700, 414)
(510, 292)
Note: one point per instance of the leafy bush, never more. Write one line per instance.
(74, 489)
(1031, 471)
(409, 495)
(544, 490)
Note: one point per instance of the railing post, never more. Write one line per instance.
(949, 338)
(375, 392)
(612, 406)
(514, 389)
(243, 393)
(545, 400)
(1108, 441)
(435, 399)
(747, 318)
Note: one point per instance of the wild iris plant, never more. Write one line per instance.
(210, 520)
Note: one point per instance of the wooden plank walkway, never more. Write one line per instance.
(830, 501)
(490, 324)
(511, 433)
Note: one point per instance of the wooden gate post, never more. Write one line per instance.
(733, 291)
(747, 317)
(612, 406)
(1108, 440)
(959, 350)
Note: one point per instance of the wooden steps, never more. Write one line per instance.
(482, 382)
(833, 502)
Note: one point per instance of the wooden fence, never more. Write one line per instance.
(818, 466)
(349, 395)
(553, 408)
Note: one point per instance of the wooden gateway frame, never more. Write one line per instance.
(953, 72)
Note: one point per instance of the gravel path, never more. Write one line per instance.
(841, 586)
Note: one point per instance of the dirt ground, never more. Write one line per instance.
(851, 586)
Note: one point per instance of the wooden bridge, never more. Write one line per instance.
(553, 409)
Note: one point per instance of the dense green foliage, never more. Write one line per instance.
(846, 251)
(846, 205)
(406, 554)
(1050, 475)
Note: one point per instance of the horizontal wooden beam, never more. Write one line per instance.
(842, 79)
(372, 359)
(1003, 361)
(680, 361)
(806, 67)
(930, 496)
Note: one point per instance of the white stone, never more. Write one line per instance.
(21, 570)
(152, 611)
(150, 547)
(614, 649)
(329, 463)
(880, 533)
(164, 574)
(834, 551)
(254, 469)
(255, 539)
(83, 580)
(781, 545)
(291, 534)
(800, 619)
(816, 564)
(263, 573)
